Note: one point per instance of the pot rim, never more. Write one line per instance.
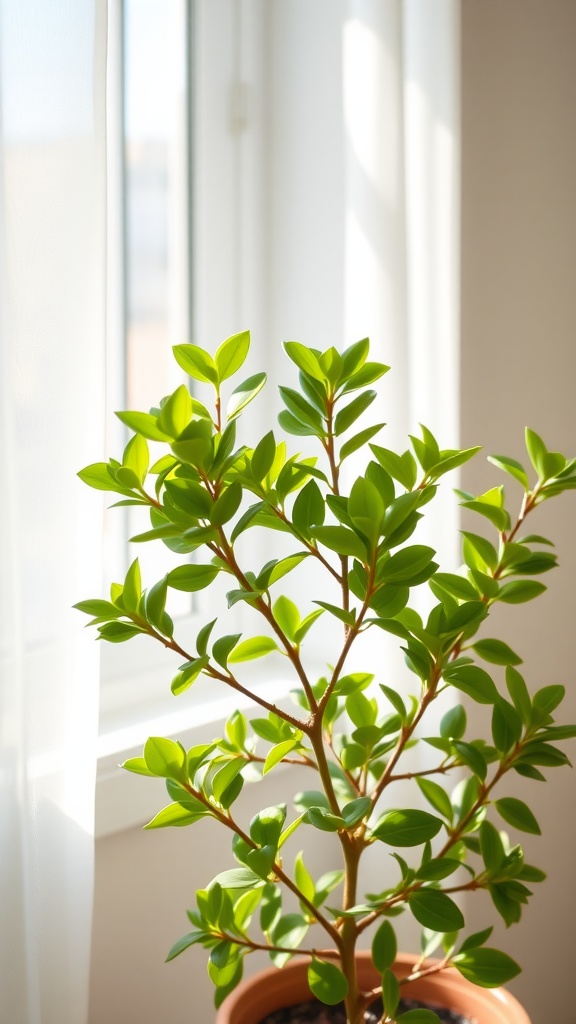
(282, 985)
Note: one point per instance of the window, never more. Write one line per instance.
(232, 124)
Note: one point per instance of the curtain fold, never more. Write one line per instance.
(52, 206)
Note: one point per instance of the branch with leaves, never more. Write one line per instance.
(355, 731)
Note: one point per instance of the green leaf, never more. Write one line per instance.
(306, 624)
(327, 982)
(517, 814)
(348, 617)
(226, 505)
(138, 766)
(322, 819)
(384, 947)
(519, 591)
(491, 847)
(478, 552)
(506, 726)
(301, 410)
(284, 566)
(291, 425)
(184, 679)
(406, 564)
(355, 810)
(359, 440)
(309, 509)
(488, 968)
(519, 693)
(473, 681)
(185, 942)
(305, 359)
(511, 466)
(351, 412)
(232, 354)
(471, 756)
(177, 815)
(100, 476)
(537, 452)
(101, 610)
(406, 827)
(368, 373)
(263, 456)
(495, 513)
(145, 424)
(402, 469)
(244, 394)
(457, 586)
(339, 539)
(165, 758)
(434, 909)
(418, 1016)
(196, 363)
(256, 647)
(277, 753)
(303, 878)
(475, 940)
(354, 357)
(287, 616)
(176, 412)
(225, 775)
(496, 652)
(132, 587)
(136, 457)
(191, 578)
(390, 992)
(453, 723)
(366, 509)
(436, 869)
(437, 797)
(118, 632)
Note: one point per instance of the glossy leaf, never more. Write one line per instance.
(327, 982)
(434, 909)
(486, 967)
(517, 814)
(256, 647)
(406, 828)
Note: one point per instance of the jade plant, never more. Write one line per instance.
(351, 732)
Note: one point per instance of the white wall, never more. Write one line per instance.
(518, 367)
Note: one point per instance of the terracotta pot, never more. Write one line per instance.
(272, 989)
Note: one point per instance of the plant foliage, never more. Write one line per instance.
(203, 493)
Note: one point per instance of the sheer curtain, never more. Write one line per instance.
(52, 74)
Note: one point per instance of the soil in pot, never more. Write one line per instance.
(314, 1012)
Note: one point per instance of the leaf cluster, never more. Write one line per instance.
(352, 732)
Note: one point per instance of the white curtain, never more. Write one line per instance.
(52, 159)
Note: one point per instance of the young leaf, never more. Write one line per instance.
(257, 647)
(196, 363)
(244, 394)
(231, 355)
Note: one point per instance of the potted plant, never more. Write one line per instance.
(351, 731)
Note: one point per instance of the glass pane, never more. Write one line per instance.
(155, 195)
(156, 272)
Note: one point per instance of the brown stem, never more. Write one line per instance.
(277, 870)
(266, 612)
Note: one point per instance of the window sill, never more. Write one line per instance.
(125, 801)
